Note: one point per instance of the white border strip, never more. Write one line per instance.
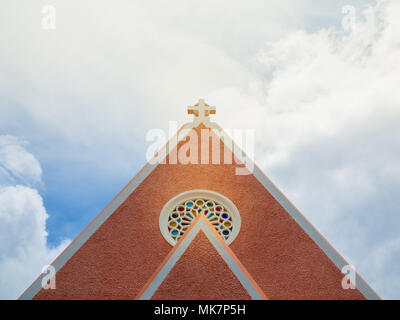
(78, 242)
(333, 255)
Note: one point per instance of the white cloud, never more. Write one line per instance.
(382, 265)
(23, 247)
(110, 71)
(16, 164)
(324, 102)
(328, 134)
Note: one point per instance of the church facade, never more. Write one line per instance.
(202, 228)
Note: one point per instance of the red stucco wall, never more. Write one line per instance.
(119, 258)
(199, 273)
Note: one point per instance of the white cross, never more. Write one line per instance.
(201, 112)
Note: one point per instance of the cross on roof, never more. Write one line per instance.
(201, 112)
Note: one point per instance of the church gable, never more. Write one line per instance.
(117, 254)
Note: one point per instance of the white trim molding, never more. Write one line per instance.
(227, 255)
(300, 219)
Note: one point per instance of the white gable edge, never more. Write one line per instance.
(78, 242)
(332, 254)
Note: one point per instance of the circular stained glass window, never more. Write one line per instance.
(179, 213)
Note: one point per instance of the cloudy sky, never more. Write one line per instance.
(321, 93)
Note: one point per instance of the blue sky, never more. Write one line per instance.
(76, 102)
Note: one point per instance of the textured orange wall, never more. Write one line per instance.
(201, 272)
(124, 252)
